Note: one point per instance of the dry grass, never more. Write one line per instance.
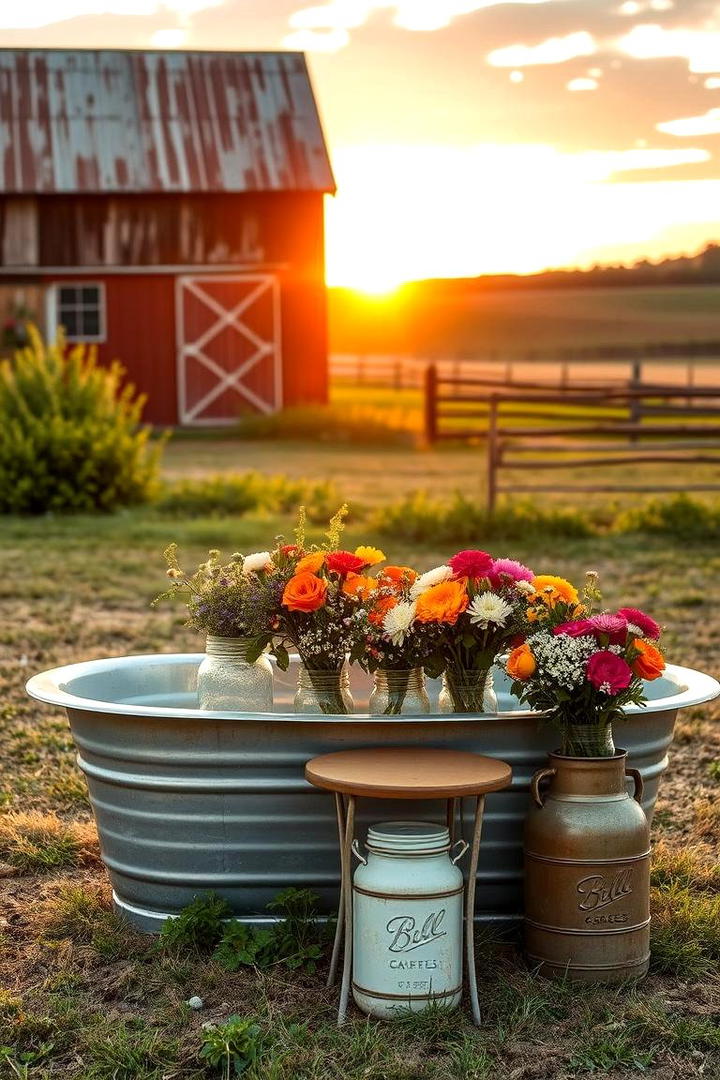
(38, 843)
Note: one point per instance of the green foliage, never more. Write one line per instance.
(127, 1051)
(232, 1046)
(295, 940)
(200, 925)
(680, 517)
(419, 519)
(69, 433)
(235, 494)
(362, 425)
(685, 931)
(614, 1050)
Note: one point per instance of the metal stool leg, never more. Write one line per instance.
(347, 907)
(470, 909)
(340, 812)
(450, 817)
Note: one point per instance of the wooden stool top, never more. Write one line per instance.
(408, 772)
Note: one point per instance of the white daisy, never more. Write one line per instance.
(431, 577)
(259, 561)
(398, 621)
(489, 608)
(525, 587)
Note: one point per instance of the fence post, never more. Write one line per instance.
(635, 404)
(431, 409)
(492, 453)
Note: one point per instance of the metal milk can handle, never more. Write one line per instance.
(639, 785)
(540, 775)
(357, 853)
(463, 848)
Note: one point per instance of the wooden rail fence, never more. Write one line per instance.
(583, 426)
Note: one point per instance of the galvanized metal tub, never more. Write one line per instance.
(187, 801)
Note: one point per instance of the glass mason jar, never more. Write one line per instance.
(588, 740)
(399, 691)
(228, 681)
(467, 691)
(323, 691)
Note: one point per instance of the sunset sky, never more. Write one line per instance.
(472, 136)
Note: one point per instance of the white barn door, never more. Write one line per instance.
(229, 358)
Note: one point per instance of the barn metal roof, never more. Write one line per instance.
(125, 121)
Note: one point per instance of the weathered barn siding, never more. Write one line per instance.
(132, 230)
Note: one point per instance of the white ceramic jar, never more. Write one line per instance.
(408, 919)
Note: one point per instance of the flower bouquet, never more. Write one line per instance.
(475, 605)
(313, 608)
(582, 668)
(389, 641)
(225, 601)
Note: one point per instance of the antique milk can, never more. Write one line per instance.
(408, 918)
(587, 871)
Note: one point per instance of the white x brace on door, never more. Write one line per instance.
(229, 358)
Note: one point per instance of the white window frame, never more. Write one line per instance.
(53, 310)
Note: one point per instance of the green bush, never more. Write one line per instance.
(680, 517)
(70, 438)
(419, 519)
(235, 494)
(358, 424)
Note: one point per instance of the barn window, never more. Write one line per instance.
(80, 308)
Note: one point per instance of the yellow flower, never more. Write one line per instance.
(371, 556)
(551, 589)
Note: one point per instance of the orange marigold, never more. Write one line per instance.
(551, 589)
(305, 592)
(396, 577)
(649, 663)
(442, 603)
(380, 608)
(359, 586)
(311, 562)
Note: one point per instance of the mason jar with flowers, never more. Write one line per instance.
(475, 606)
(581, 669)
(389, 641)
(224, 601)
(314, 611)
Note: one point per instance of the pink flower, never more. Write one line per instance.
(614, 626)
(650, 629)
(471, 564)
(503, 569)
(575, 628)
(608, 672)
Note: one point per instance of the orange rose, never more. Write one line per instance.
(398, 575)
(442, 603)
(359, 586)
(380, 608)
(649, 663)
(521, 663)
(552, 589)
(311, 562)
(305, 592)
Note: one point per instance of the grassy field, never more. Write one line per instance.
(83, 997)
(471, 319)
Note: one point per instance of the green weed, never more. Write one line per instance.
(233, 1047)
(198, 926)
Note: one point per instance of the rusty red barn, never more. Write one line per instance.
(169, 207)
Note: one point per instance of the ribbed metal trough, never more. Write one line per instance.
(187, 801)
